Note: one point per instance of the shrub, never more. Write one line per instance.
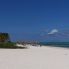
(8, 45)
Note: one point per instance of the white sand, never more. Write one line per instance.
(34, 58)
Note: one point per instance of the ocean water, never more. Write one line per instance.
(55, 44)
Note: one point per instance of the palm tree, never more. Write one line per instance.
(4, 37)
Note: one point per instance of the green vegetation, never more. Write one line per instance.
(8, 45)
(4, 37)
(5, 41)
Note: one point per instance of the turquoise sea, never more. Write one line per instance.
(55, 44)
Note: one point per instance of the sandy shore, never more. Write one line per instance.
(34, 58)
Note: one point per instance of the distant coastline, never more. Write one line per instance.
(55, 44)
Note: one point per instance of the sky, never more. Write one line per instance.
(37, 20)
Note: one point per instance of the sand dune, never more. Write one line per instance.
(34, 58)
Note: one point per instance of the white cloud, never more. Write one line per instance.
(53, 31)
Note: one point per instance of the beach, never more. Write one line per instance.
(35, 58)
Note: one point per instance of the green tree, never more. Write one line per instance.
(4, 37)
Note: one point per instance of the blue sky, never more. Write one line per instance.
(29, 19)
